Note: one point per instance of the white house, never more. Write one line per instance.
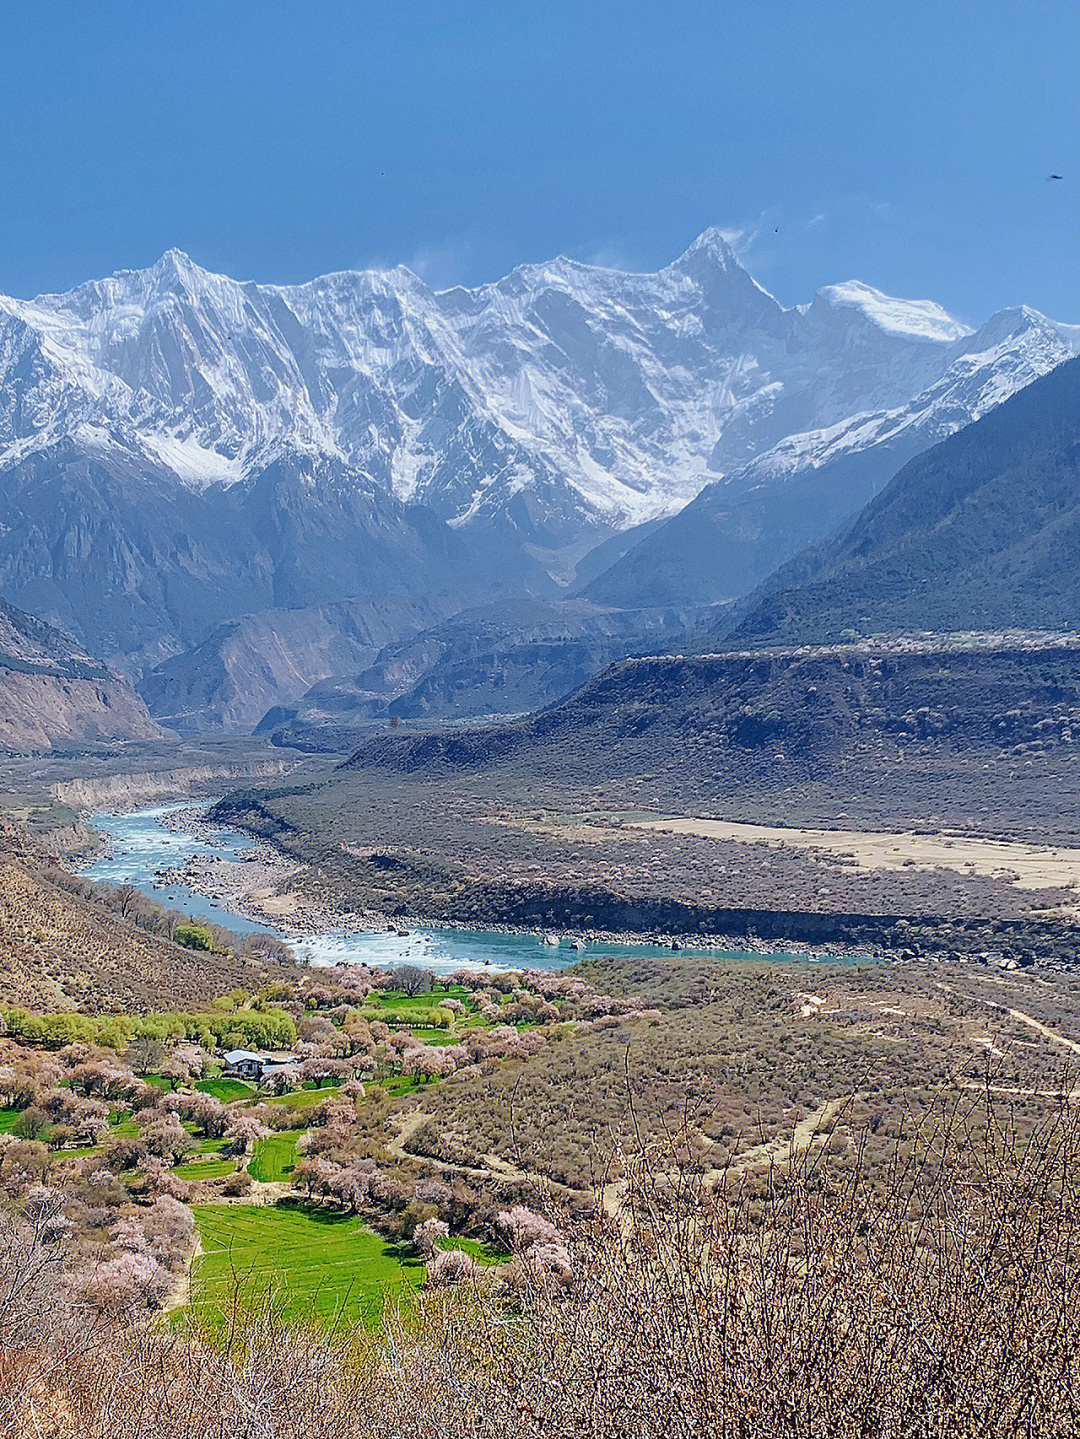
(256, 1064)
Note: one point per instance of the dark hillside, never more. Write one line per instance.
(979, 533)
(810, 708)
(730, 539)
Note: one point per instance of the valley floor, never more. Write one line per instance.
(1027, 866)
(834, 862)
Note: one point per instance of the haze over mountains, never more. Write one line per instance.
(505, 658)
(54, 694)
(198, 473)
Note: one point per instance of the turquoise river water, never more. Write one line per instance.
(140, 847)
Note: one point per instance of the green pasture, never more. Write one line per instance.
(315, 1264)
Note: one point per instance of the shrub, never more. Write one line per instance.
(451, 1266)
(193, 936)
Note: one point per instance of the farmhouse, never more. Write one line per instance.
(256, 1064)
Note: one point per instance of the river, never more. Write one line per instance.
(140, 847)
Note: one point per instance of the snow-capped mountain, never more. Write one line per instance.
(168, 431)
(745, 523)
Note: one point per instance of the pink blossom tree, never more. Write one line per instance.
(428, 1235)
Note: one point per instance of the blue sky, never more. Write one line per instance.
(906, 145)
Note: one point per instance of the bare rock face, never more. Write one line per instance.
(247, 666)
(54, 696)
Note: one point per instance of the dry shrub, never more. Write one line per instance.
(817, 1302)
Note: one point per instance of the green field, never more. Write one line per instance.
(211, 1146)
(7, 1119)
(274, 1158)
(397, 1084)
(303, 1098)
(205, 1169)
(398, 999)
(314, 1262)
(225, 1089)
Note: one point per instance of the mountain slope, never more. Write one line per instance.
(979, 533)
(739, 529)
(248, 665)
(510, 658)
(891, 734)
(138, 566)
(52, 694)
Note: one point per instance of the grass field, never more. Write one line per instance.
(225, 1089)
(205, 1169)
(7, 1119)
(303, 1098)
(397, 1084)
(398, 999)
(211, 1146)
(274, 1158)
(316, 1264)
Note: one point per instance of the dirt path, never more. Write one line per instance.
(978, 1086)
(494, 1166)
(1039, 1027)
(1021, 1016)
(180, 1297)
(807, 1132)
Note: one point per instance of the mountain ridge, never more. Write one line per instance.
(180, 450)
(977, 533)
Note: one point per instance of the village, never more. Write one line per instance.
(248, 1125)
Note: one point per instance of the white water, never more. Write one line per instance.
(141, 847)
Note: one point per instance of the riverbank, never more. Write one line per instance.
(178, 856)
(256, 887)
(467, 851)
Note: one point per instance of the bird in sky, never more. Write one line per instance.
(1055, 177)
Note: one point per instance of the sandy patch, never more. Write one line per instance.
(279, 905)
(1027, 866)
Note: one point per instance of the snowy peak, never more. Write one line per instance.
(1021, 325)
(905, 319)
(710, 248)
(555, 405)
